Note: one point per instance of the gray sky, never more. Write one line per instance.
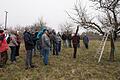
(27, 12)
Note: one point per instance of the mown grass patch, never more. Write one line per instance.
(64, 67)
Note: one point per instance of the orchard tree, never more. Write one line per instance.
(40, 24)
(108, 19)
(66, 27)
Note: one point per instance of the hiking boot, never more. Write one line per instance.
(33, 66)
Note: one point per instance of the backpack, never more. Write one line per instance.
(1, 39)
(8, 39)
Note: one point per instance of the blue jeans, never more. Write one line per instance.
(59, 46)
(45, 53)
(29, 58)
(13, 53)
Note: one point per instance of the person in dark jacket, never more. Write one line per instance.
(64, 38)
(53, 39)
(59, 42)
(29, 45)
(34, 41)
(85, 41)
(75, 41)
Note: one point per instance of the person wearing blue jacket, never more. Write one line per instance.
(39, 37)
(86, 41)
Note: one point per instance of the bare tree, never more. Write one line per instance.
(66, 27)
(110, 10)
(40, 24)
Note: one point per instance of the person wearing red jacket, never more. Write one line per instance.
(3, 49)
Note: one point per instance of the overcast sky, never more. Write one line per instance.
(27, 12)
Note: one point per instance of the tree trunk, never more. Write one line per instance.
(112, 52)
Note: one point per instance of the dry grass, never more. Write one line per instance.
(64, 67)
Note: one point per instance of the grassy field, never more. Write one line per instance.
(64, 67)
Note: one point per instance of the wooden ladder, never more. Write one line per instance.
(102, 46)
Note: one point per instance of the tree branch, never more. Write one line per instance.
(76, 21)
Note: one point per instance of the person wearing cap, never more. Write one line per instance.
(3, 49)
(45, 46)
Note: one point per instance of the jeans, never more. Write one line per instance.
(37, 45)
(59, 46)
(40, 49)
(13, 53)
(54, 48)
(29, 58)
(45, 55)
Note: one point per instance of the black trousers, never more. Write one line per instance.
(86, 45)
(75, 51)
(17, 50)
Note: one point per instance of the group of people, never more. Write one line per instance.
(44, 40)
(11, 40)
(47, 41)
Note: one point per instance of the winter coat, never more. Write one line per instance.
(85, 39)
(18, 39)
(45, 41)
(64, 37)
(28, 41)
(75, 40)
(13, 40)
(3, 43)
